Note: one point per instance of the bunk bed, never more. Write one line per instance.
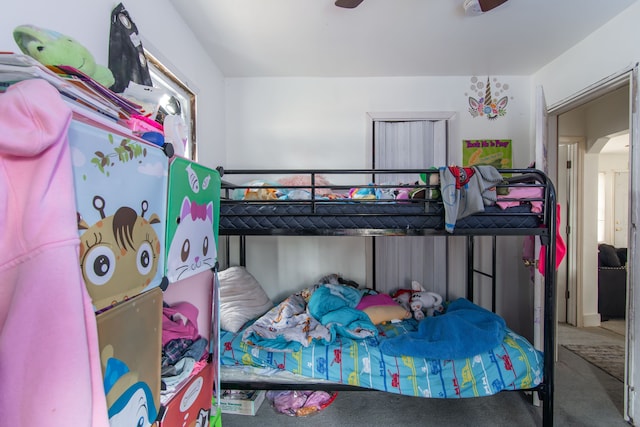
(368, 202)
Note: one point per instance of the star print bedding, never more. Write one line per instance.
(370, 362)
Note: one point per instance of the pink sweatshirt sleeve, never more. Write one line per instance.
(49, 359)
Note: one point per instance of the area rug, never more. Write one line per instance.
(609, 358)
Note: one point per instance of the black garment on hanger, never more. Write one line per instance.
(127, 60)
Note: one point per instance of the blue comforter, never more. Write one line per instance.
(334, 307)
(465, 330)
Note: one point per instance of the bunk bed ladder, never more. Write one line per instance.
(472, 270)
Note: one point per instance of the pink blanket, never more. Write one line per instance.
(521, 193)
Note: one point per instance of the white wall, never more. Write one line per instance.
(606, 52)
(322, 123)
(162, 32)
(609, 50)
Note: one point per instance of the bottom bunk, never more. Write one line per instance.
(461, 351)
(512, 365)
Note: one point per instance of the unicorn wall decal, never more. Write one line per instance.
(486, 105)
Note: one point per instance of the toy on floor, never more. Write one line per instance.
(419, 301)
(52, 48)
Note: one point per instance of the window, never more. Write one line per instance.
(182, 100)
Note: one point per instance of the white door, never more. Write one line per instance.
(542, 163)
(546, 162)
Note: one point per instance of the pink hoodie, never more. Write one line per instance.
(49, 362)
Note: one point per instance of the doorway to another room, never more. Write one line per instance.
(593, 191)
(594, 188)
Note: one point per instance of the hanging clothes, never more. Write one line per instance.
(528, 248)
(561, 247)
(49, 361)
(127, 60)
(466, 191)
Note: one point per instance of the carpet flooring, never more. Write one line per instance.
(608, 358)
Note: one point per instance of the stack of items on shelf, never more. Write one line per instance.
(82, 93)
(130, 112)
(189, 354)
(184, 350)
(116, 96)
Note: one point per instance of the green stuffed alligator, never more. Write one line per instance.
(52, 48)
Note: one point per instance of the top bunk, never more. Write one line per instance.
(449, 200)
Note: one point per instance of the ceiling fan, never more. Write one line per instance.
(476, 7)
(471, 6)
(348, 4)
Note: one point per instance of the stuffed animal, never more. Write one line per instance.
(432, 178)
(258, 190)
(403, 193)
(424, 302)
(406, 193)
(419, 301)
(300, 180)
(362, 193)
(403, 297)
(52, 48)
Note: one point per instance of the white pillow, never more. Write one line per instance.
(241, 298)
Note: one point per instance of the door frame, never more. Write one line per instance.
(568, 198)
(627, 76)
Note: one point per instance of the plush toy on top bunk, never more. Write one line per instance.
(432, 178)
(419, 301)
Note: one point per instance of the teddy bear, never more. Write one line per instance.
(52, 48)
(419, 301)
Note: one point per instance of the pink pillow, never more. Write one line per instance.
(374, 300)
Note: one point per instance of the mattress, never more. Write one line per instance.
(242, 217)
(513, 365)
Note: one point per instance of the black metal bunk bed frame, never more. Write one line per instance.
(546, 230)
